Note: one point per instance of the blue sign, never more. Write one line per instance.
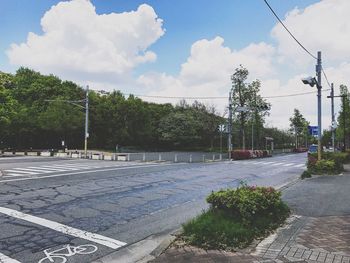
(313, 130)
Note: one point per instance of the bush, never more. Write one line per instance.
(248, 154)
(248, 202)
(305, 174)
(236, 217)
(325, 167)
(241, 154)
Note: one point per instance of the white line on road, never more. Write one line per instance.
(6, 259)
(15, 175)
(19, 172)
(99, 239)
(30, 169)
(276, 164)
(288, 164)
(91, 171)
(299, 165)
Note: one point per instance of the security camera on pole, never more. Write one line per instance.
(312, 82)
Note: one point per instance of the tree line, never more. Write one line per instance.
(34, 113)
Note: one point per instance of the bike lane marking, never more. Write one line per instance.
(99, 239)
(6, 259)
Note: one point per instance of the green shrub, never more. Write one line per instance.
(248, 202)
(236, 217)
(305, 174)
(325, 167)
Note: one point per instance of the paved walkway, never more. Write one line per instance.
(318, 235)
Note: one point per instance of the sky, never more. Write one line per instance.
(183, 48)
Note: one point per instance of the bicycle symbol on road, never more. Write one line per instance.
(60, 255)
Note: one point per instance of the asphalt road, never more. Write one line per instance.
(320, 196)
(49, 203)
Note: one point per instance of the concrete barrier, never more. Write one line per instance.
(8, 153)
(96, 156)
(122, 158)
(20, 153)
(62, 154)
(32, 153)
(108, 157)
(46, 154)
(75, 155)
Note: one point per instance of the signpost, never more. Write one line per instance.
(313, 130)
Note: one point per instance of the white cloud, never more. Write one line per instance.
(103, 50)
(323, 26)
(207, 71)
(79, 44)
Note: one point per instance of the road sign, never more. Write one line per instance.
(242, 109)
(222, 127)
(313, 130)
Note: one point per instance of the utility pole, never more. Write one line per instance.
(331, 96)
(344, 120)
(319, 111)
(229, 126)
(86, 120)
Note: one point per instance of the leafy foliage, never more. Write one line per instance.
(236, 217)
(247, 95)
(248, 202)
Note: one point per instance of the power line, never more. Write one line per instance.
(290, 33)
(220, 98)
(325, 76)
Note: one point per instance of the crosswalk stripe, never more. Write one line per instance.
(76, 166)
(58, 169)
(15, 175)
(276, 164)
(30, 170)
(49, 170)
(20, 172)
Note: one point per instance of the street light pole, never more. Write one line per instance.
(86, 120)
(319, 110)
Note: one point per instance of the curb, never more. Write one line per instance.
(172, 236)
(141, 251)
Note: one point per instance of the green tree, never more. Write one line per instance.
(246, 95)
(342, 132)
(299, 126)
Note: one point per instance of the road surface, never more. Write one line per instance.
(82, 210)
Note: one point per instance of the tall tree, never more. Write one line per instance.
(342, 132)
(299, 126)
(246, 95)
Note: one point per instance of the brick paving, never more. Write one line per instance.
(302, 239)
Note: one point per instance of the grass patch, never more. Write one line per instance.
(305, 174)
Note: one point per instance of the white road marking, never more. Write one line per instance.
(92, 171)
(29, 169)
(6, 259)
(276, 164)
(99, 239)
(51, 169)
(15, 175)
(19, 172)
(288, 164)
(299, 165)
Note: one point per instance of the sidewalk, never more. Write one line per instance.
(318, 231)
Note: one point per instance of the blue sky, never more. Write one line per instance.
(238, 22)
(122, 44)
